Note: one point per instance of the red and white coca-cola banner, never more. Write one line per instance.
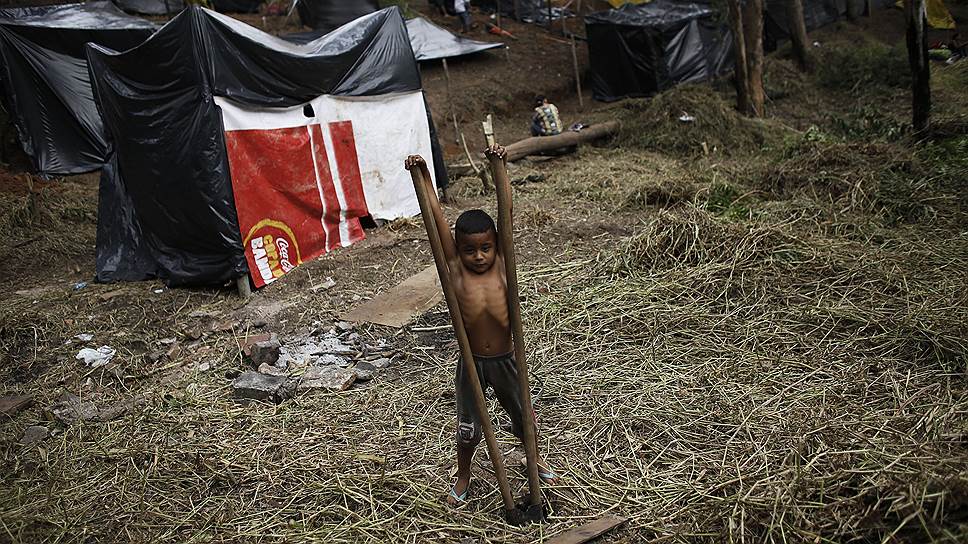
(304, 176)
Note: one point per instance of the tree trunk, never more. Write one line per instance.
(538, 144)
(753, 34)
(851, 10)
(798, 33)
(917, 46)
(739, 53)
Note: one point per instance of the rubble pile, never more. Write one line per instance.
(330, 359)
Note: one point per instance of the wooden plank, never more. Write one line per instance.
(11, 404)
(588, 531)
(402, 303)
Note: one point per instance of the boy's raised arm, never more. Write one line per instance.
(499, 155)
(446, 238)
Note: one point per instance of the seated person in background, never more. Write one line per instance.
(545, 121)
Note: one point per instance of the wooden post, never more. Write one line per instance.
(753, 32)
(467, 357)
(917, 46)
(488, 127)
(798, 33)
(549, 15)
(242, 285)
(517, 16)
(739, 53)
(505, 232)
(574, 62)
(450, 103)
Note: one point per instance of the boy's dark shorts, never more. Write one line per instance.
(499, 372)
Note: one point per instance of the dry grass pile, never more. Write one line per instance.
(728, 383)
(834, 170)
(46, 223)
(692, 120)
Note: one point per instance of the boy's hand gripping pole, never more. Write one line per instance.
(467, 357)
(496, 156)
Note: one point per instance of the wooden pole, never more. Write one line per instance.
(242, 284)
(450, 103)
(917, 46)
(549, 15)
(574, 62)
(739, 53)
(505, 232)
(798, 33)
(467, 357)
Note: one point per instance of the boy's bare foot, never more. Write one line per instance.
(458, 493)
(547, 475)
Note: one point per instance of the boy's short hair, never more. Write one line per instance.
(474, 222)
(539, 99)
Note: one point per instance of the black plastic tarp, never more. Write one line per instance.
(639, 50)
(430, 42)
(151, 7)
(816, 14)
(166, 205)
(328, 15)
(46, 89)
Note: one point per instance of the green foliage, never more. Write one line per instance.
(868, 122)
(725, 200)
(404, 6)
(861, 67)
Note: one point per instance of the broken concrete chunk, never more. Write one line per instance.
(330, 359)
(364, 371)
(253, 385)
(11, 404)
(344, 326)
(34, 434)
(272, 370)
(330, 378)
(71, 409)
(382, 362)
(265, 351)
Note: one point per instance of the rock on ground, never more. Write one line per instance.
(330, 378)
(251, 385)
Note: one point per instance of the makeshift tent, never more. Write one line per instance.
(639, 50)
(430, 42)
(46, 89)
(151, 7)
(327, 15)
(236, 151)
(816, 14)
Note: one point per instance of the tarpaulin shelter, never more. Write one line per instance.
(816, 14)
(639, 50)
(430, 42)
(46, 89)
(236, 151)
(151, 7)
(327, 15)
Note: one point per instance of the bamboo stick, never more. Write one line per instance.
(467, 357)
(505, 230)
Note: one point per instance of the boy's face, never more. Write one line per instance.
(477, 251)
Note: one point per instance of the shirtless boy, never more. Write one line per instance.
(477, 274)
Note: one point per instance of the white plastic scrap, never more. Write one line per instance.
(96, 357)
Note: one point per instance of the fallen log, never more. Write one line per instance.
(538, 144)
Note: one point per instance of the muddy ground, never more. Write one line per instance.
(739, 330)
